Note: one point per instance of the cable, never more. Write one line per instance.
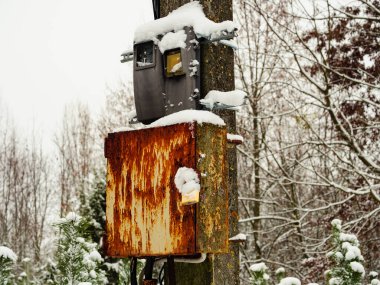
(160, 279)
(133, 268)
(156, 9)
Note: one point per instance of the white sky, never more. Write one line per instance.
(54, 52)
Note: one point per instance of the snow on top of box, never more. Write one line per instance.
(172, 40)
(188, 116)
(188, 15)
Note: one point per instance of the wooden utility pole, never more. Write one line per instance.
(217, 73)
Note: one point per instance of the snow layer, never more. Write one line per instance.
(230, 98)
(122, 129)
(336, 223)
(290, 281)
(72, 217)
(95, 256)
(186, 180)
(172, 40)
(375, 282)
(176, 67)
(229, 43)
(232, 137)
(335, 281)
(352, 252)
(357, 267)
(258, 267)
(7, 253)
(367, 61)
(280, 270)
(188, 116)
(349, 238)
(238, 237)
(188, 15)
(373, 274)
(93, 274)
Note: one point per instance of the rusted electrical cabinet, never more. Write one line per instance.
(144, 215)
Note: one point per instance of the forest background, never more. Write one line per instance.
(311, 149)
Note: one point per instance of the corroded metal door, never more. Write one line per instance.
(144, 212)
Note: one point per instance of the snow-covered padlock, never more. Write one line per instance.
(187, 182)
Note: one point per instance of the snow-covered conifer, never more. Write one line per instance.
(280, 273)
(259, 274)
(7, 259)
(373, 278)
(77, 259)
(346, 257)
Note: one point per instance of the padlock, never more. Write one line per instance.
(190, 198)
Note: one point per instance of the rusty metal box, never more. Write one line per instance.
(144, 215)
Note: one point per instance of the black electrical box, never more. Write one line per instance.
(166, 80)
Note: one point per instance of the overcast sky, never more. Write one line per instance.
(53, 52)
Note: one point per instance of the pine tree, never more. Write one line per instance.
(77, 259)
(7, 259)
(259, 274)
(280, 273)
(346, 258)
(373, 278)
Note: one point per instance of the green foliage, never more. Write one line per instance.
(259, 275)
(121, 270)
(373, 278)
(95, 208)
(7, 259)
(95, 211)
(280, 274)
(48, 272)
(346, 258)
(77, 259)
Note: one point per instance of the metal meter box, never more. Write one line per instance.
(144, 214)
(166, 83)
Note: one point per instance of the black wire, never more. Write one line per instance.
(159, 275)
(133, 268)
(156, 9)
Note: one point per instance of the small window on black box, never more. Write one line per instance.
(145, 55)
(173, 63)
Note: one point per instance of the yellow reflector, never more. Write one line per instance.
(174, 63)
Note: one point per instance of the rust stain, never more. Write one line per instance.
(150, 282)
(143, 213)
